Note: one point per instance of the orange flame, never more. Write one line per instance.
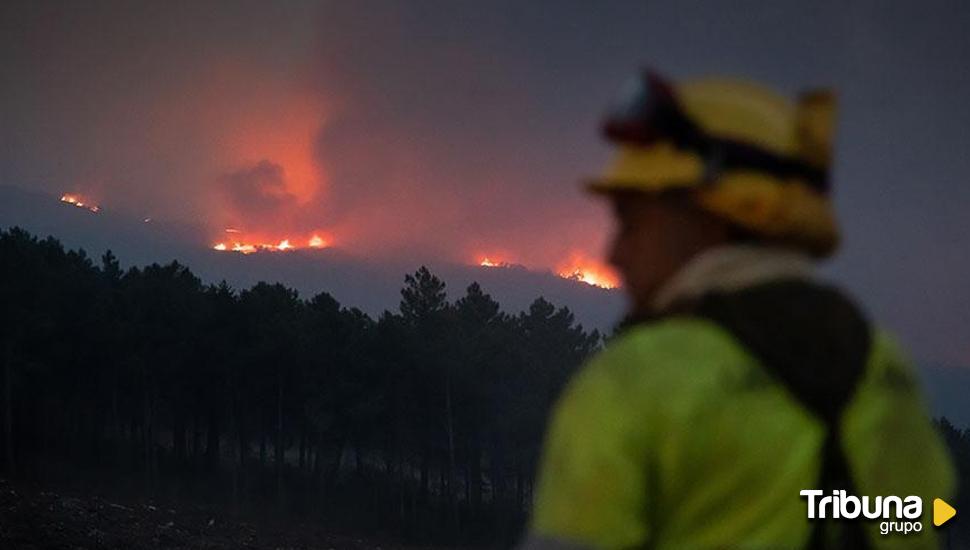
(580, 268)
(248, 248)
(244, 245)
(80, 202)
(494, 259)
(489, 262)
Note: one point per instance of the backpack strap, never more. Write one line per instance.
(816, 343)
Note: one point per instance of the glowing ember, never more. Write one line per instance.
(317, 241)
(582, 269)
(80, 202)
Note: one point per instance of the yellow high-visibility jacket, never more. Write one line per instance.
(676, 436)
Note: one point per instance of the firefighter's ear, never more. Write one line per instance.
(815, 127)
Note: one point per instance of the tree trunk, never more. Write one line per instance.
(178, 435)
(449, 415)
(262, 439)
(147, 430)
(497, 460)
(117, 428)
(475, 473)
(425, 471)
(279, 437)
(358, 461)
(213, 435)
(234, 465)
(303, 447)
(335, 469)
(318, 457)
(196, 450)
(241, 434)
(8, 410)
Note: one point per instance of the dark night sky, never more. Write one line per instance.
(449, 128)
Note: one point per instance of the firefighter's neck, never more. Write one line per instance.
(731, 267)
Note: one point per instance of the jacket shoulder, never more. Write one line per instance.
(676, 338)
(677, 355)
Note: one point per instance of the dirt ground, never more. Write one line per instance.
(34, 518)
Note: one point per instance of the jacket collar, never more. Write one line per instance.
(730, 268)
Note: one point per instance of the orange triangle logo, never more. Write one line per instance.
(942, 512)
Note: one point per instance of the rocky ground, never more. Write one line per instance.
(33, 518)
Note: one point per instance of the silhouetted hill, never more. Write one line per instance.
(369, 284)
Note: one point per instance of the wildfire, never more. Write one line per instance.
(80, 202)
(589, 277)
(488, 262)
(581, 268)
(245, 246)
(578, 267)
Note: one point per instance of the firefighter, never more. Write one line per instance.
(741, 379)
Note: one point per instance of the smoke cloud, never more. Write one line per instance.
(258, 196)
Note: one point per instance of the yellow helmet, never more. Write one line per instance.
(746, 154)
